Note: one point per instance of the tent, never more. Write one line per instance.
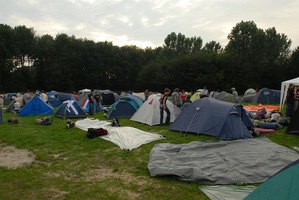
(213, 117)
(8, 97)
(108, 97)
(284, 89)
(137, 99)
(85, 106)
(56, 98)
(84, 91)
(126, 106)
(36, 106)
(149, 112)
(223, 96)
(195, 96)
(53, 99)
(267, 96)
(248, 96)
(283, 185)
(70, 109)
(139, 94)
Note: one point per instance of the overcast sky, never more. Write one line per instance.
(147, 22)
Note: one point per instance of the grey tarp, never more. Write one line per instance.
(221, 162)
(227, 192)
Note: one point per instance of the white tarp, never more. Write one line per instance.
(127, 138)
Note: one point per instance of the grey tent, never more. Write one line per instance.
(267, 96)
(213, 117)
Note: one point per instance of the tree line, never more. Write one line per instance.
(253, 58)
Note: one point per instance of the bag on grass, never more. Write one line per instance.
(13, 120)
(101, 132)
(96, 132)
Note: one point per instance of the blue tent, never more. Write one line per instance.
(53, 99)
(283, 185)
(267, 96)
(36, 106)
(56, 98)
(137, 99)
(70, 109)
(209, 116)
(125, 107)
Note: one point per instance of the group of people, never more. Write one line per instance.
(180, 99)
(26, 97)
(94, 101)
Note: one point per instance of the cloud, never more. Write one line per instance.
(148, 22)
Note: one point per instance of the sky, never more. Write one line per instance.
(146, 23)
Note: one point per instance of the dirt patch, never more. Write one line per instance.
(12, 157)
(105, 174)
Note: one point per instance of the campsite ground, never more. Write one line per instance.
(52, 162)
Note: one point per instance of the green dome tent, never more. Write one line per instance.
(283, 185)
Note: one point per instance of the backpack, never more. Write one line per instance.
(95, 132)
(13, 120)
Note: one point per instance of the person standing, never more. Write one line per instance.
(44, 96)
(183, 96)
(186, 103)
(26, 97)
(90, 104)
(290, 101)
(163, 107)
(1, 106)
(98, 98)
(235, 97)
(205, 92)
(146, 94)
(175, 97)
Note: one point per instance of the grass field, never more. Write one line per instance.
(68, 165)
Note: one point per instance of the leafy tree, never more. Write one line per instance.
(44, 58)
(292, 69)
(179, 44)
(25, 43)
(258, 55)
(7, 51)
(213, 46)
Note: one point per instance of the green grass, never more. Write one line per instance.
(70, 166)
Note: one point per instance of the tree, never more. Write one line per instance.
(292, 69)
(44, 57)
(213, 46)
(257, 54)
(25, 43)
(179, 44)
(7, 51)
